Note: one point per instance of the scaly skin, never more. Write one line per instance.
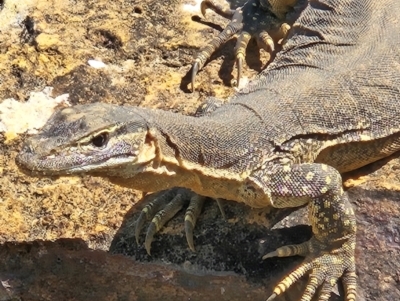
(327, 104)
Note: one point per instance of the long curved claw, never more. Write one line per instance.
(290, 250)
(151, 230)
(221, 207)
(220, 10)
(240, 51)
(191, 215)
(162, 217)
(139, 225)
(151, 209)
(239, 66)
(189, 235)
(204, 5)
(265, 42)
(195, 69)
(272, 297)
(284, 30)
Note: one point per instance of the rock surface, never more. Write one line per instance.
(62, 238)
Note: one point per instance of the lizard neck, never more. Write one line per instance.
(229, 139)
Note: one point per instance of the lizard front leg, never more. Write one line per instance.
(263, 19)
(329, 254)
(168, 203)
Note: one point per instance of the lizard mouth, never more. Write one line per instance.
(57, 164)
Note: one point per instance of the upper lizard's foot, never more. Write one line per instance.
(262, 19)
(325, 264)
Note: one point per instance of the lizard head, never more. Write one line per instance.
(89, 138)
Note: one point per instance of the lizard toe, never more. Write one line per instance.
(191, 215)
(350, 283)
(151, 209)
(195, 69)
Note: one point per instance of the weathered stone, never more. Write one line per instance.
(46, 41)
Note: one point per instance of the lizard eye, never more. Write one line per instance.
(100, 140)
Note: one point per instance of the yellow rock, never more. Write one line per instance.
(10, 136)
(46, 41)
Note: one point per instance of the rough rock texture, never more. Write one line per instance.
(55, 232)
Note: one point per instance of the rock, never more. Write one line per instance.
(18, 118)
(46, 41)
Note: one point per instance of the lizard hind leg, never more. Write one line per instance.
(329, 254)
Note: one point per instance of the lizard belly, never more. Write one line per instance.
(211, 183)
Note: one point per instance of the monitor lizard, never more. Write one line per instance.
(327, 104)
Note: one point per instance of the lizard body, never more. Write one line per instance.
(327, 104)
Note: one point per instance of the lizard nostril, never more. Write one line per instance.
(52, 152)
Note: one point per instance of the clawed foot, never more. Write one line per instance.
(164, 208)
(261, 19)
(325, 266)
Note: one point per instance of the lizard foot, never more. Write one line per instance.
(262, 19)
(325, 264)
(164, 208)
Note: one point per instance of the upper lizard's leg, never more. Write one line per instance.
(263, 19)
(330, 252)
